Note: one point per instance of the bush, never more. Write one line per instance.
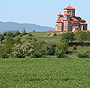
(61, 49)
(20, 55)
(50, 49)
(61, 55)
(23, 31)
(55, 34)
(7, 45)
(20, 35)
(83, 55)
(23, 50)
(69, 36)
(4, 55)
(74, 48)
(30, 34)
(36, 55)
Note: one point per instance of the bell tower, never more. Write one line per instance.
(70, 10)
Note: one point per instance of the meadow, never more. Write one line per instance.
(45, 73)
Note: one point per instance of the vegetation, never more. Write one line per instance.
(69, 36)
(83, 55)
(82, 36)
(33, 43)
(44, 73)
(61, 49)
(31, 66)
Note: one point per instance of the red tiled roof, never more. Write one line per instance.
(73, 19)
(66, 14)
(59, 21)
(60, 15)
(62, 18)
(84, 20)
(82, 23)
(66, 20)
(69, 7)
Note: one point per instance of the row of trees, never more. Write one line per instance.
(13, 33)
(35, 48)
(80, 36)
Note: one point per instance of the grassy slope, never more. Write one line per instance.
(44, 73)
(47, 39)
(55, 39)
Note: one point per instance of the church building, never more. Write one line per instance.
(69, 21)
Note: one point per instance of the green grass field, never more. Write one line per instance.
(45, 73)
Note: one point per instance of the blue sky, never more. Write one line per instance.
(41, 12)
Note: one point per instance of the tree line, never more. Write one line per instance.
(34, 48)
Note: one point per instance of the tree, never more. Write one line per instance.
(69, 36)
(0, 45)
(23, 31)
(1, 37)
(88, 35)
(17, 41)
(81, 36)
(16, 32)
(50, 48)
(54, 34)
(61, 49)
(7, 45)
(10, 34)
(23, 50)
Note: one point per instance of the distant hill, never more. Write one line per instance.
(6, 26)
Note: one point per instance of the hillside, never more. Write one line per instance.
(5, 26)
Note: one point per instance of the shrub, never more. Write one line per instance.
(23, 31)
(30, 34)
(38, 45)
(81, 36)
(74, 48)
(20, 35)
(50, 49)
(20, 55)
(7, 45)
(61, 55)
(34, 39)
(4, 55)
(10, 34)
(83, 55)
(36, 55)
(23, 50)
(55, 34)
(69, 36)
(61, 49)
(4, 34)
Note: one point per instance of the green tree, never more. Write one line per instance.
(23, 50)
(81, 36)
(69, 36)
(61, 49)
(17, 41)
(50, 48)
(23, 31)
(16, 32)
(88, 35)
(55, 34)
(0, 45)
(7, 45)
(1, 37)
(10, 34)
